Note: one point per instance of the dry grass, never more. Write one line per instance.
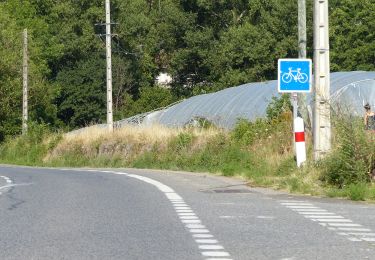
(135, 134)
(126, 141)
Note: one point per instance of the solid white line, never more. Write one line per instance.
(206, 241)
(203, 236)
(215, 253)
(211, 247)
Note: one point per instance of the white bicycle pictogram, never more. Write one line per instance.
(295, 75)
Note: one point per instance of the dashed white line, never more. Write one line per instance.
(355, 229)
(211, 247)
(333, 222)
(215, 253)
(206, 242)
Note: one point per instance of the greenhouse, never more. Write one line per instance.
(349, 90)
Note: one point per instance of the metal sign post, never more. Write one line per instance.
(295, 76)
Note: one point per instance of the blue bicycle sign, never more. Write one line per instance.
(294, 75)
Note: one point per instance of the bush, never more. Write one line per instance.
(246, 132)
(357, 191)
(29, 149)
(352, 161)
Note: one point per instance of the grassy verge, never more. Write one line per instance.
(260, 152)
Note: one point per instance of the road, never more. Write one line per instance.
(145, 214)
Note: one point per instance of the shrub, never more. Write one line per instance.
(31, 148)
(352, 160)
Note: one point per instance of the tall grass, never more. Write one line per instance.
(260, 152)
(29, 149)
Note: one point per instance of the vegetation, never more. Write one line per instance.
(205, 46)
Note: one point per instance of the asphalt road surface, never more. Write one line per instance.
(143, 214)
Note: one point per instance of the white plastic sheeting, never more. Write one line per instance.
(249, 101)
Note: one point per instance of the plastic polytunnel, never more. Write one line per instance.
(249, 101)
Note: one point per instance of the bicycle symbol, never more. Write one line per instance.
(295, 75)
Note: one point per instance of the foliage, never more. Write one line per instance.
(278, 106)
(204, 45)
(353, 159)
(31, 148)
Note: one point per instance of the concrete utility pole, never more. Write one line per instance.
(109, 65)
(25, 83)
(322, 113)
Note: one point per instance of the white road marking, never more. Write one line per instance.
(310, 210)
(218, 258)
(362, 234)
(206, 241)
(183, 210)
(195, 226)
(353, 239)
(8, 181)
(215, 253)
(330, 221)
(203, 236)
(187, 217)
(295, 203)
(190, 221)
(186, 214)
(265, 217)
(302, 207)
(211, 247)
(199, 230)
(368, 239)
(325, 217)
(355, 229)
(344, 225)
(316, 213)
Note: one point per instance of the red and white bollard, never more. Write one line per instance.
(299, 135)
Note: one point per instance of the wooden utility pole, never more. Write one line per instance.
(322, 112)
(25, 83)
(109, 65)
